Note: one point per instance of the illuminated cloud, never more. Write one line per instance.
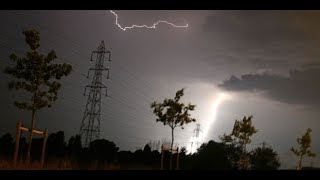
(301, 87)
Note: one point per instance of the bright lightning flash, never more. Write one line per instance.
(214, 108)
(145, 26)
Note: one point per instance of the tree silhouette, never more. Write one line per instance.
(239, 138)
(125, 157)
(56, 146)
(184, 159)
(173, 113)
(264, 158)
(36, 74)
(304, 149)
(211, 156)
(6, 145)
(74, 147)
(103, 151)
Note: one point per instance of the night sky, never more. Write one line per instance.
(231, 63)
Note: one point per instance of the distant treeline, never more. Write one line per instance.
(210, 156)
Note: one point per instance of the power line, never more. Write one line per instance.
(90, 125)
(114, 81)
(141, 92)
(80, 44)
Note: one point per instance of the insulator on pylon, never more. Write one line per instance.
(90, 124)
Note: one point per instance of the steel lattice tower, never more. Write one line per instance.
(90, 125)
(197, 133)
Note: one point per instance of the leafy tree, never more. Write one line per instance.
(264, 158)
(173, 113)
(103, 151)
(36, 74)
(304, 149)
(234, 155)
(211, 156)
(240, 137)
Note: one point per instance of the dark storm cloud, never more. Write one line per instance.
(300, 87)
(279, 40)
(254, 27)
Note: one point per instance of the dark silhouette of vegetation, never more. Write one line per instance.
(185, 160)
(35, 154)
(101, 153)
(126, 157)
(74, 147)
(56, 146)
(304, 148)
(174, 114)
(264, 158)
(212, 156)
(6, 146)
(38, 75)
(238, 139)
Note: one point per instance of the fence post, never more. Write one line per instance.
(45, 133)
(16, 150)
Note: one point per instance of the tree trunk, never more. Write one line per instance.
(300, 163)
(31, 134)
(172, 139)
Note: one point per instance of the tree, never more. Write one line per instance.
(103, 151)
(56, 146)
(211, 156)
(304, 149)
(36, 74)
(264, 158)
(125, 158)
(74, 147)
(174, 114)
(147, 155)
(239, 138)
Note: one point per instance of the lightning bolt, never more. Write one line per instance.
(145, 26)
(214, 110)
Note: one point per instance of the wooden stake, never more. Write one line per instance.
(44, 147)
(16, 150)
